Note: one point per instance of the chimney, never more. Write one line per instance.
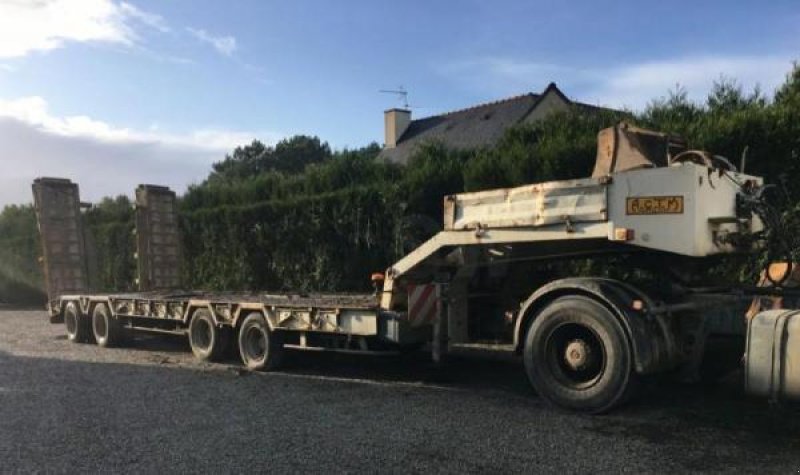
(395, 122)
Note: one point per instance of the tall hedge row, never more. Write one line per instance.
(260, 221)
(20, 273)
(330, 241)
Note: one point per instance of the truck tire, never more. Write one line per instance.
(578, 357)
(77, 324)
(259, 348)
(207, 341)
(107, 330)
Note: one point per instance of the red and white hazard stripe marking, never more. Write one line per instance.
(423, 303)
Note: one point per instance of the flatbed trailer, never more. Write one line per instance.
(584, 340)
(173, 313)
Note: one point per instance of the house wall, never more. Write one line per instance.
(550, 102)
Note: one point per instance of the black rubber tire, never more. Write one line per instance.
(206, 339)
(259, 348)
(107, 330)
(78, 325)
(606, 382)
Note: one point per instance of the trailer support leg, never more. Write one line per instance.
(439, 344)
(458, 307)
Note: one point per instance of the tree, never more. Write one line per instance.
(789, 91)
(294, 154)
(247, 160)
(727, 97)
(17, 221)
(675, 114)
(291, 155)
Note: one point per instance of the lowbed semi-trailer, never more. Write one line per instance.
(485, 280)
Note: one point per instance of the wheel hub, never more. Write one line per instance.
(201, 334)
(578, 355)
(255, 343)
(100, 327)
(72, 323)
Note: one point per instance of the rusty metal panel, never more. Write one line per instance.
(571, 201)
(625, 147)
(57, 204)
(158, 251)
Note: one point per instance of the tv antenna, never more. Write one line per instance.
(400, 92)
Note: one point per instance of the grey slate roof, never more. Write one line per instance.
(467, 128)
(478, 126)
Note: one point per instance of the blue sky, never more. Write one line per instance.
(113, 93)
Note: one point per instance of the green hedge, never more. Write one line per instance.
(21, 280)
(262, 221)
(331, 242)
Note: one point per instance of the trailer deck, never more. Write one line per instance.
(353, 314)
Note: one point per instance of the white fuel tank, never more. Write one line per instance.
(772, 357)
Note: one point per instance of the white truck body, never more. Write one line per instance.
(685, 209)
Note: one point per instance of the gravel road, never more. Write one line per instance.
(150, 407)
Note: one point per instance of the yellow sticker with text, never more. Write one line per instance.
(654, 205)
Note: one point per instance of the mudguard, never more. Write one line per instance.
(653, 344)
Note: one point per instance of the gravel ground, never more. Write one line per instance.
(151, 407)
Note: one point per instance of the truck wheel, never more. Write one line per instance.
(77, 324)
(207, 341)
(260, 348)
(107, 330)
(577, 356)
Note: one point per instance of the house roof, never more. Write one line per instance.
(473, 127)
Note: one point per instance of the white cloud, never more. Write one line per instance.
(42, 25)
(33, 111)
(622, 85)
(225, 45)
(150, 19)
(104, 159)
(635, 85)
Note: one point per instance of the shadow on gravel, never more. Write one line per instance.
(692, 427)
(665, 412)
(150, 405)
(659, 414)
(661, 404)
(463, 371)
(157, 343)
(476, 371)
(668, 411)
(468, 372)
(165, 343)
(8, 307)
